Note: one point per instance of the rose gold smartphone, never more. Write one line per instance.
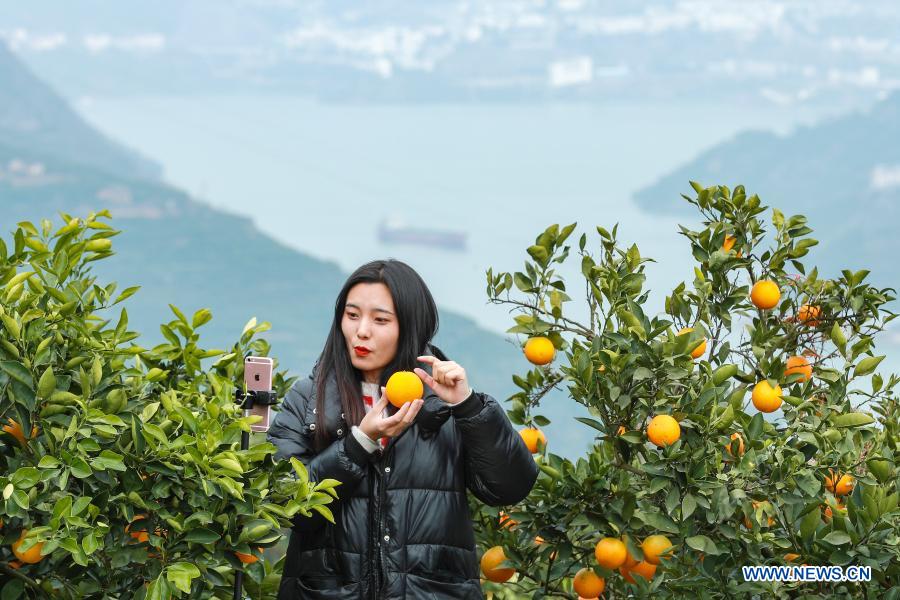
(258, 377)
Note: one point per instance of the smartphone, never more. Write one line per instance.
(258, 377)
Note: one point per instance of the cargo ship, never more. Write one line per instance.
(396, 232)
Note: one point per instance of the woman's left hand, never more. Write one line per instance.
(447, 379)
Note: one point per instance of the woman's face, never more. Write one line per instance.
(370, 328)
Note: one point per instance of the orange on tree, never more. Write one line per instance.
(588, 584)
(248, 559)
(656, 547)
(403, 387)
(30, 556)
(809, 315)
(827, 514)
(630, 560)
(621, 430)
(765, 294)
(765, 397)
(15, 429)
(791, 557)
(506, 521)
(663, 430)
(539, 350)
(489, 561)
(141, 535)
(798, 365)
(740, 441)
(643, 568)
(538, 541)
(532, 435)
(610, 553)
(756, 503)
(699, 350)
(839, 485)
(728, 243)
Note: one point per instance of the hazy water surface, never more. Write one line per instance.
(319, 178)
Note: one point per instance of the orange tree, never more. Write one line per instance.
(686, 472)
(120, 467)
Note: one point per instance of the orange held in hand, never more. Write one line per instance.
(489, 561)
(798, 364)
(532, 435)
(663, 430)
(839, 486)
(656, 547)
(588, 584)
(30, 556)
(539, 350)
(610, 553)
(765, 397)
(699, 350)
(403, 387)
(765, 294)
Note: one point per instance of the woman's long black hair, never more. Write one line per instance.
(417, 318)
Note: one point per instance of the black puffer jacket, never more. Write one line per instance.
(403, 524)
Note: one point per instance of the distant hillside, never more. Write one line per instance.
(844, 174)
(186, 253)
(35, 119)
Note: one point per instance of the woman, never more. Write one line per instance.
(402, 525)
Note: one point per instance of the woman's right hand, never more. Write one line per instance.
(376, 425)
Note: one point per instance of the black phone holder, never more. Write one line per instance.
(250, 398)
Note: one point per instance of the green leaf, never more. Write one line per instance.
(47, 383)
(48, 462)
(838, 337)
(701, 543)
(17, 371)
(21, 498)
(867, 365)
(854, 419)
(126, 293)
(657, 521)
(82, 503)
(755, 427)
(592, 423)
(201, 535)
(80, 468)
(688, 506)
(324, 511)
(26, 478)
(538, 253)
(178, 314)
(837, 538)
(250, 325)
(181, 574)
(14, 589)
(89, 543)
(201, 317)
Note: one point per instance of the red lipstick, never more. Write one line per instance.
(361, 351)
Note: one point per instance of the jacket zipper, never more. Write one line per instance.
(373, 537)
(379, 521)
